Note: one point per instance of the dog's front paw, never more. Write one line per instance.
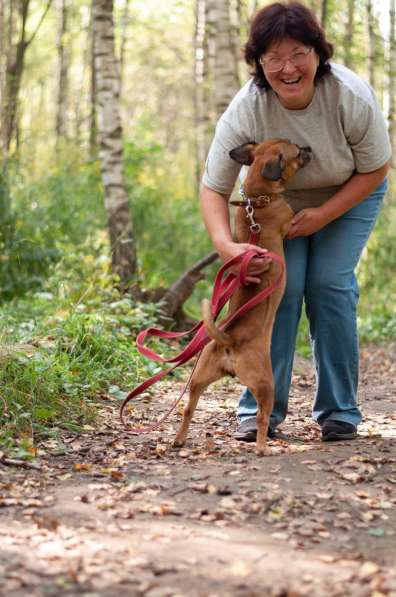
(178, 443)
(264, 451)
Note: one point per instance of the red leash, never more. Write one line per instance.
(222, 292)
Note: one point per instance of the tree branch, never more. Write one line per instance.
(180, 290)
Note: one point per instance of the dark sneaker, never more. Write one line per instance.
(247, 431)
(337, 430)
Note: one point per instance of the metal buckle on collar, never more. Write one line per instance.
(254, 227)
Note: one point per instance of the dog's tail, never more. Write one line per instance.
(212, 330)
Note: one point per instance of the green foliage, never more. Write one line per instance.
(169, 230)
(64, 205)
(65, 346)
(43, 215)
(377, 277)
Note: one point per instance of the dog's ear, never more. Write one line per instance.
(273, 168)
(244, 153)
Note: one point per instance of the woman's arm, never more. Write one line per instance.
(358, 187)
(214, 207)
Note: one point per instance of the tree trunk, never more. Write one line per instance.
(122, 240)
(392, 78)
(15, 56)
(93, 141)
(371, 42)
(324, 13)
(63, 75)
(15, 60)
(225, 75)
(201, 103)
(80, 107)
(252, 8)
(348, 37)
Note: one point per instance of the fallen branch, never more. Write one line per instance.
(181, 290)
(17, 462)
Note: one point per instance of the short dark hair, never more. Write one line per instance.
(285, 19)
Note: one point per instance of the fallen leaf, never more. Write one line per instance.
(327, 559)
(368, 569)
(240, 568)
(82, 466)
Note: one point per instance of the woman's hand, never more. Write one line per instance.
(306, 222)
(256, 266)
(353, 191)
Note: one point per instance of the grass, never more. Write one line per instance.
(65, 346)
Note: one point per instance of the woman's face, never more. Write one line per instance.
(294, 81)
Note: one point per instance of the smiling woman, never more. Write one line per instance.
(296, 93)
(290, 69)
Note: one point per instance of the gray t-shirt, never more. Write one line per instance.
(343, 125)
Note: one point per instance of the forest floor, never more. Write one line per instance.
(108, 513)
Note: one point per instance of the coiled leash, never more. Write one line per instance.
(225, 285)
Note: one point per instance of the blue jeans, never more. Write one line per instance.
(321, 271)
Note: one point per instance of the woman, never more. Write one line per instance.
(297, 94)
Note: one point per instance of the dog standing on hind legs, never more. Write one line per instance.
(244, 349)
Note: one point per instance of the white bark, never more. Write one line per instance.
(225, 74)
(111, 149)
(203, 124)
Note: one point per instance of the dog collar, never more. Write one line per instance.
(255, 202)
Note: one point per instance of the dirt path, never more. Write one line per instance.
(111, 514)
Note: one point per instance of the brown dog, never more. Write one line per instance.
(244, 349)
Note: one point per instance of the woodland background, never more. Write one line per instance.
(107, 111)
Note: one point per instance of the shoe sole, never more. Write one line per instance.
(251, 436)
(333, 437)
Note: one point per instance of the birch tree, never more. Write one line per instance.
(107, 76)
(63, 71)
(201, 95)
(216, 68)
(225, 74)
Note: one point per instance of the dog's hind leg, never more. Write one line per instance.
(256, 373)
(264, 394)
(207, 371)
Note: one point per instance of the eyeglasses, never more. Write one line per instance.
(275, 64)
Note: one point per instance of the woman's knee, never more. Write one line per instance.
(294, 291)
(332, 292)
